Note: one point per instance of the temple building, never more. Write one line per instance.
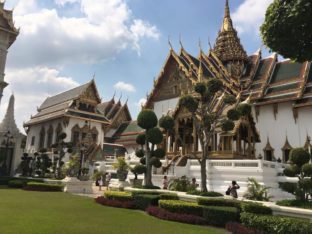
(80, 114)
(280, 93)
(73, 112)
(11, 139)
(8, 35)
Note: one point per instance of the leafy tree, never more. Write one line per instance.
(301, 168)
(287, 29)
(153, 136)
(256, 191)
(206, 117)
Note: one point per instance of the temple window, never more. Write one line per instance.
(58, 132)
(268, 151)
(33, 141)
(286, 151)
(42, 138)
(50, 136)
(175, 89)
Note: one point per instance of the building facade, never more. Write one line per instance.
(280, 93)
(73, 112)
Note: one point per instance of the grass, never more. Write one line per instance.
(47, 212)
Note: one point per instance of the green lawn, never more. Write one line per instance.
(41, 212)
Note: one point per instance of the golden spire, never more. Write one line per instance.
(227, 21)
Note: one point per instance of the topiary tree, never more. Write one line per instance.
(287, 29)
(43, 163)
(25, 164)
(137, 170)
(301, 168)
(148, 154)
(206, 117)
(61, 148)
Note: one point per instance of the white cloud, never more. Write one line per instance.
(31, 86)
(141, 102)
(104, 29)
(124, 86)
(250, 15)
(64, 2)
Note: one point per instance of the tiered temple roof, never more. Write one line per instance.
(67, 104)
(266, 80)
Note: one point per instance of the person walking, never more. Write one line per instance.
(232, 190)
(100, 183)
(165, 182)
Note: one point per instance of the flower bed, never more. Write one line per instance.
(167, 215)
(238, 228)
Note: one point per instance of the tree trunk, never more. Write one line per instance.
(203, 170)
(148, 174)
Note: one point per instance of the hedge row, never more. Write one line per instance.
(205, 194)
(141, 199)
(218, 202)
(276, 224)
(35, 186)
(220, 215)
(119, 196)
(16, 184)
(181, 207)
(256, 208)
(296, 203)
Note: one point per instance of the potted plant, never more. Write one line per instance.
(122, 169)
(137, 170)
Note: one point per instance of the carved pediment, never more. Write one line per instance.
(174, 83)
(90, 95)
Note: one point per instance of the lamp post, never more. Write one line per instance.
(8, 142)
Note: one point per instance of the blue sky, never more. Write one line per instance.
(63, 43)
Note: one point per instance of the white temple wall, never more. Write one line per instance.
(284, 125)
(34, 131)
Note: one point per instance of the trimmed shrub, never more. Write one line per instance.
(140, 153)
(204, 194)
(275, 224)
(299, 156)
(159, 153)
(16, 183)
(220, 215)
(147, 119)
(256, 208)
(227, 125)
(150, 187)
(169, 196)
(167, 215)
(115, 203)
(142, 201)
(295, 203)
(141, 192)
(154, 136)
(35, 186)
(5, 180)
(181, 207)
(118, 196)
(140, 139)
(244, 109)
(166, 122)
(218, 202)
(238, 228)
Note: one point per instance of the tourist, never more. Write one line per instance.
(232, 190)
(194, 184)
(100, 183)
(165, 182)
